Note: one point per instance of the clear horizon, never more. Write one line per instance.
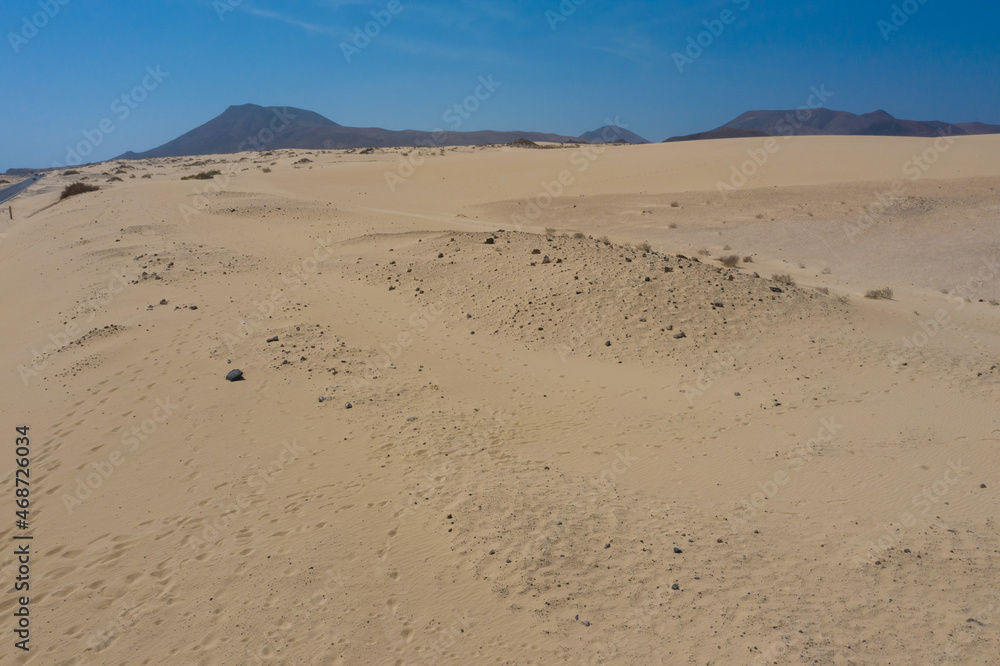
(134, 77)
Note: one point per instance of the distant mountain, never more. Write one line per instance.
(823, 121)
(611, 134)
(253, 127)
(721, 133)
(980, 128)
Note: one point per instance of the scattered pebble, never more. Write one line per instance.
(234, 376)
(348, 406)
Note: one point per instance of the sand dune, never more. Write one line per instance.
(536, 467)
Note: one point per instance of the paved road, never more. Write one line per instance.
(12, 191)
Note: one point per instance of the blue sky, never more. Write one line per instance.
(63, 63)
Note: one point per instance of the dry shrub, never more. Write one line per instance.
(883, 293)
(76, 188)
(784, 278)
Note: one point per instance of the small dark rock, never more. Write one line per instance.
(273, 339)
(546, 260)
(678, 336)
(489, 241)
(536, 251)
(194, 307)
(982, 485)
(234, 376)
(777, 290)
(348, 406)
(607, 343)
(675, 586)
(586, 623)
(678, 550)
(163, 301)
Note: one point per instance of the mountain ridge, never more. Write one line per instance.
(829, 122)
(253, 127)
